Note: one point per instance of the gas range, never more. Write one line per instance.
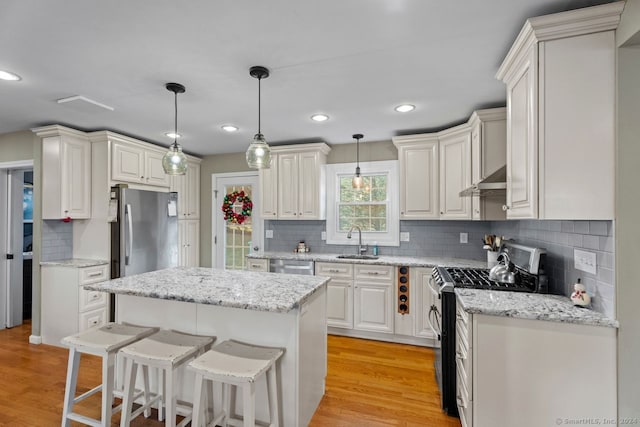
(478, 278)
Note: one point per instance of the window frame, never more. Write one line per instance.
(387, 167)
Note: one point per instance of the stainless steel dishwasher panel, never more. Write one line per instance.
(291, 266)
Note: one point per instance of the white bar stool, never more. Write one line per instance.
(167, 351)
(103, 341)
(237, 364)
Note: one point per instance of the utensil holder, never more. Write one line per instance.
(492, 258)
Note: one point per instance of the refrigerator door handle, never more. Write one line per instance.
(128, 215)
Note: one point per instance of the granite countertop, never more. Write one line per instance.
(76, 263)
(382, 260)
(248, 290)
(553, 308)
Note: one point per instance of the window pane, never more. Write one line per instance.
(380, 181)
(346, 211)
(378, 211)
(362, 211)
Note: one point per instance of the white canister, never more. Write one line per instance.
(492, 258)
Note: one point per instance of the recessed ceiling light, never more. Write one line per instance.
(319, 117)
(5, 75)
(173, 135)
(405, 108)
(229, 128)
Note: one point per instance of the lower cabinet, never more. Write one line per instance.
(254, 264)
(189, 242)
(423, 298)
(373, 298)
(339, 293)
(67, 308)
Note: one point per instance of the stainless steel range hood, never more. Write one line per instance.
(494, 184)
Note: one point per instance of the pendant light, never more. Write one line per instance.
(358, 181)
(259, 153)
(175, 162)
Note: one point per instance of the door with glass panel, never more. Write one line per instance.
(237, 223)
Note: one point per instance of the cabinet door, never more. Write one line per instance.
(340, 303)
(288, 186)
(76, 178)
(268, 179)
(179, 185)
(193, 191)
(476, 153)
(189, 241)
(419, 181)
(455, 176)
(309, 186)
(423, 298)
(127, 162)
(153, 171)
(373, 307)
(522, 145)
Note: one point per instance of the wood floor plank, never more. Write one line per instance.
(369, 384)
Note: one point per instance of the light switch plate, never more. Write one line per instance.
(584, 261)
(323, 235)
(464, 237)
(404, 236)
(268, 234)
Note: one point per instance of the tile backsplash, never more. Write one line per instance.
(57, 240)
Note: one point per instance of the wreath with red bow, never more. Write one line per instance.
(230, 214)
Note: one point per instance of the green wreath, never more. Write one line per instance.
(227, 207)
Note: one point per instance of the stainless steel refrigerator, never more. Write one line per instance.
(144, 232)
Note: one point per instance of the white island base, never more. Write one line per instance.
(301, 332)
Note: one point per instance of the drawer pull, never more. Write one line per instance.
(374, 273)
(96, 274)
(334, 270)
(256, 265)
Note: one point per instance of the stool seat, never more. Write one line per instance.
(233, 360)
(107, 338)
(166, 348)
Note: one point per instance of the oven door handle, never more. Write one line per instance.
(433, 314)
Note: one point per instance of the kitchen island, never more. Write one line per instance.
(276, 310)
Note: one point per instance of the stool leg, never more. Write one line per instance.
(198, 400)
(170, 398)
(145, 377)
(72, 380)
(131, 368)
(272, 394)
(249, 402)
(108, 368)
(161, 394)
(226, 402)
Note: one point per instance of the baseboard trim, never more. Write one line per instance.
(396, 338)
(35, 339)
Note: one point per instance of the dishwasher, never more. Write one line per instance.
(291, 266)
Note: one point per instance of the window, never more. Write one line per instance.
(373, 208)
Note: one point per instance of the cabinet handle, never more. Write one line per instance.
(505, 207)
(300, 213)
(295, 213)
(333, 270)
(375, 273)
(142, 177)
(441, 213)
(401, 213)
(274, 214)
(96, 274)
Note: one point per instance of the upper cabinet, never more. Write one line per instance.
(137, 163)
(188, 188)
(418, 156)
(455, 172)
(561, 115)
(294, 186)
(66, 173)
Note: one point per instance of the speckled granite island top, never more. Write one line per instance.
(553, 308)
(228, 288)
(76, 263)
(382, 260)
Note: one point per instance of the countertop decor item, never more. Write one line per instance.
(259, 154)
(230, 214)
(175, 162)
(302, 247)
(580, 297)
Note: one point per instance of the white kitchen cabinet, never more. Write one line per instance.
(561, 115)
(188, 188)
(66, 173)
(137, 163)
(300, 184)
(523, 355)
(268, 182)
(255, 264)
(419, 186)
(422, 299)
(189, 242)
(339, 293)
(67, 308)
(374, 301)
(455, 172)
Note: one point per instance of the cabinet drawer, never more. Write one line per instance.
(367, 272)
(90, 300)
(92, 318)
(257, 264)
(94, 274)
(336, 270)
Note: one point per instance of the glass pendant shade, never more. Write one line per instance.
(357, 182)
(174, 161)
(259, 153)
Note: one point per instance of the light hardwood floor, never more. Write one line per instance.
(369, 383)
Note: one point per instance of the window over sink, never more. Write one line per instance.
(374, 208)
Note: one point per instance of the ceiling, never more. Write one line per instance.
(353, 60)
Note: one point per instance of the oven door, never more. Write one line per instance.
(435, 311)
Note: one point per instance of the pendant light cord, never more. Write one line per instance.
(358, 153)
(175, 128)
(259, 103)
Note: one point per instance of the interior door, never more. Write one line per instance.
(233, 241)
(15, 184)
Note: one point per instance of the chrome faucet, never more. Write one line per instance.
(361, 249)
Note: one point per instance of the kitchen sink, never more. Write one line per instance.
(354, 256)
